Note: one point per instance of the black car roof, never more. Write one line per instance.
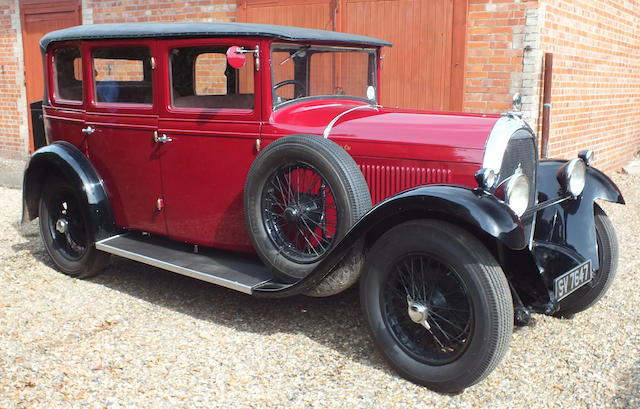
(193, 30)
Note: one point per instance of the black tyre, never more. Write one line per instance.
(607, 244)
(64, 231)
(302, 194)
(437, 304)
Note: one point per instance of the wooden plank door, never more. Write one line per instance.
(425, 67)
(38, 18)
(299, 13)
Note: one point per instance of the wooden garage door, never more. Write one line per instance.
(424, 68)
(38, 18)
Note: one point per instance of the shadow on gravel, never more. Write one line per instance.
(628, 394)
(334, 322)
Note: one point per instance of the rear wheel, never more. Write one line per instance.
(437, 304)
(64, 231)
(607, 243)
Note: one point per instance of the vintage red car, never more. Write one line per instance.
(194, 147)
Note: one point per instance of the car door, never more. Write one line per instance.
(211, 121)
(122, 121)
(64, 111)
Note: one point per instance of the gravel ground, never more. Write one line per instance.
(137, 336)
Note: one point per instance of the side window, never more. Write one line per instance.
(122, 75)
(202, 78)
(67, 64)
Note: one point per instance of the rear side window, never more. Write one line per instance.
(67, 64)
(202, 78)
(122, 75)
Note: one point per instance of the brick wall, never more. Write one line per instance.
(596, 82)
(596, 77)
(100, 11)
(495, 42)
(13, 115)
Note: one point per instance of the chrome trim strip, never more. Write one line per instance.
(234, 285)
(498, 140)
(327, 130)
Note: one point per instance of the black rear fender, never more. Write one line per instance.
(63, 160)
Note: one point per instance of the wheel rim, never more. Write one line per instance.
(66, 226)
(299, 212)
(427, 308)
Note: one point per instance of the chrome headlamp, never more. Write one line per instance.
(587, 156)
(572, 177)
(516, 193)
(486, 178)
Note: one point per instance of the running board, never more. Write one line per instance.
(241, 272)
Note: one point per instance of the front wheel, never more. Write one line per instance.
(64, 231)
(437, 304)
(607, 244)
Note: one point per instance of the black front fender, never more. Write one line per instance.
(66, 161)
(569, 225)
(479, 212)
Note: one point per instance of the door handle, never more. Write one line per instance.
(88, 130)
(161, 139)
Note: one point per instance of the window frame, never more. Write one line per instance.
(51, 83)
(120, 106)
(374, 58)
(231, 113)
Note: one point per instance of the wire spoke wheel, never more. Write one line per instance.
(437, 304)
(299, 212)
(427, 308)
(65, 231)
(66, 226)
(302, 194)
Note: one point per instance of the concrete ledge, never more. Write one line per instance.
(632, 168)
(11, 173)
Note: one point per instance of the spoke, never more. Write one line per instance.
(439, 307)
(319, 225)
(281, 189)
(446, 320)
(318, 239)
(279, 215)
(309, 244)
(287, 180)
(402, 280)
(445, 333)
(315, 182)
(275, 200)
(298, 186)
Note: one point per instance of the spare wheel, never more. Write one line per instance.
(302, 194)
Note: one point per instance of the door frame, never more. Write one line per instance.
(36, 7)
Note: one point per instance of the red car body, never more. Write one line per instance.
(200, 175)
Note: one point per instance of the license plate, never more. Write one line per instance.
(572, 280)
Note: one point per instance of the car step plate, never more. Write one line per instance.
(238, 271)
(573, 279)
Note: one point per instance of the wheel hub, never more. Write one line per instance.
(418, 312)
(62, 226)
(292, 214)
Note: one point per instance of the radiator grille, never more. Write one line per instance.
(385, 181)
(521, 151)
